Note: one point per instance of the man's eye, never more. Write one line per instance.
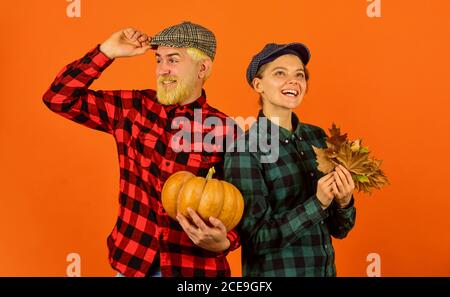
(172, 61)
(301, 75)
(279, 73)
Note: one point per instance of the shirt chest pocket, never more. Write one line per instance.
(142, 148)
(198, 162)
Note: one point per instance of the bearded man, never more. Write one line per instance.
(145, 241)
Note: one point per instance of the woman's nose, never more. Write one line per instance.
(294, 80)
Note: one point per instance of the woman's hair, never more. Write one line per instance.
(263, 67)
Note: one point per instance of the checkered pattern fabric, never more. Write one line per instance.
(284, 230)
(142, 130)
(186, 35)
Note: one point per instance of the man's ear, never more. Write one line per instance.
(257, 85)
(205, 69)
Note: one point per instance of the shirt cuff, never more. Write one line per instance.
(234, 240)
(314, 210)
(97, 58)
(310, 211)
(346, 211)
(234, 243)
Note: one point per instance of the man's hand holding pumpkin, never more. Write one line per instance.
(212, 238)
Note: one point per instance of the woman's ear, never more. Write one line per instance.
(257, 85)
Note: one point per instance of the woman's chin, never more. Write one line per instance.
(293, 105)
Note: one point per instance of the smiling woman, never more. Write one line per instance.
(281, 84)
(280, 72)
(291, 210)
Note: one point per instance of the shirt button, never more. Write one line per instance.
(302, 153)
(321, 223)
(300, 138)
(286, 141)
(312, 174)
(167, 163)
(326, 246)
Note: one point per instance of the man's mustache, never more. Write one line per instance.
(164, 78)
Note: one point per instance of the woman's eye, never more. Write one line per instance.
(279, 73)
(301, 75)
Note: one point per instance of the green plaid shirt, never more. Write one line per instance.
(284, 230)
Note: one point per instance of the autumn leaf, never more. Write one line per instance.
(354, 161)
(364, 149)
(362, 178)
(324, 163)
(356, 145)
(336, 138)
(365, 169)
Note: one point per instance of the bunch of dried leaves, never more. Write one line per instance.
(365, 170)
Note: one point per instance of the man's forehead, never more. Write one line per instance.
(169, 51)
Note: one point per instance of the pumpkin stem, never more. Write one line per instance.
(211, 171)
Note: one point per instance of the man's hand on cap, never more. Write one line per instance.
(128, 42)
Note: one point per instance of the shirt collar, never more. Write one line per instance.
(284, 134)
(198, 103)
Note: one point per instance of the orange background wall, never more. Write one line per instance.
(383, 79)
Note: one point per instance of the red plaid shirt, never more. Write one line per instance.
(142, 130)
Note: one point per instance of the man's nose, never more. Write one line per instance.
(162, 69)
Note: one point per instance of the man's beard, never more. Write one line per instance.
(182, 91)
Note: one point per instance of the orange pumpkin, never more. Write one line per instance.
(209, 197)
